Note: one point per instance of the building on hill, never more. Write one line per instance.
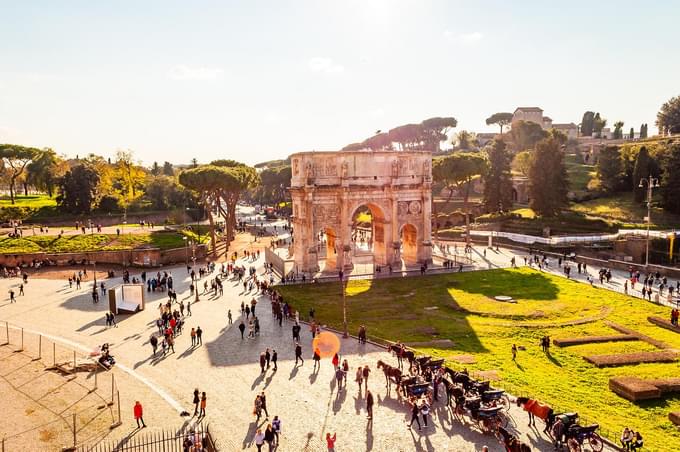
(569, 129)
(546, 122)
(532, 114)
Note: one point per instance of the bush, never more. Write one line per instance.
(109, 203)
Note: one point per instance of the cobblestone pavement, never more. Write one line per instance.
(227, 368)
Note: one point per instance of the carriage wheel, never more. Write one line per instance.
(573, 445)
(596, 442)
(502, 419)
(504, 402)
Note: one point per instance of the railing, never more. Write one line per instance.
(161, 441)
(78, 377)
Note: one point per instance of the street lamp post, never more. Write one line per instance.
(345, 333)
(651, 183)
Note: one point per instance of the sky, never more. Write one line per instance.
(256, 80)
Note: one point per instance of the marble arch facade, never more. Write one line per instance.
(328, 187)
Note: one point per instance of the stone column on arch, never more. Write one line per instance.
(344, 223)
(425, 242)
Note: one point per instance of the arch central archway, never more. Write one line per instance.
(409, 244)
(367, 234)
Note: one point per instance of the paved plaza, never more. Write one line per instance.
(227, 368)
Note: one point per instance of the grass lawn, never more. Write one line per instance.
(578, 172)
(92, 242)
(394, 309)
(622, 208)
(32, 201)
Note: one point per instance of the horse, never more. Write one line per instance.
(453, 391)
(537, 409)
(407, 354)
(512, 442)
(391, 373)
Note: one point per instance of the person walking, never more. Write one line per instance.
(317, 358)
(276, 426)
(203, 403)
(414, 414)
(196, 401)
(296, 332)
(335, 361)
(193, 337)
(267, 357)
(339, 376)
(171, 343)
(242, 328)
(199, 335)
(514, 352)
(139, 413)
(269, 437)
(359, 377)
(425, 410)
(275, 357)
(369, 404)
(298, 354)
(153, 340)
(189, 308)
(11, 296)
(229, 317)
(365, 374)
(263, 400)
(330, 441)
(263, 361)
(259, 440)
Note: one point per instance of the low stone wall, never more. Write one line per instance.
(146, 257)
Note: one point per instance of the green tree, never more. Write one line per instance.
(168, 169)
(599, 123)
(78, 189)
(465, 140)
(525, 134)
(44, 171)
(456, 172)
(164, 192)
(408, 136)
(670, 180)
(618, 130)
(501, 119)
(643, 131)
(436, 130)
(155, 169)
(274, 184)
(497, 178)
(645, 166)
(548, 183)
(587, 123)
(610, 170)
(521, 163)
(219, 189)
(668, 117)
(15, 158)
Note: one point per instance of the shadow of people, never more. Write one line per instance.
(293, 372)
(369, 435)
(257, 380)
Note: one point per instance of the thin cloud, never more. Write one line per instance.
(464, 38)
(183, 72)
(325, 65)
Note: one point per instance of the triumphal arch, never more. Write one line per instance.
(333, 192)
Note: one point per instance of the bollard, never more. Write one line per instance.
(54, 354)
(74, 429)
(119, 419)
(22, 340)
(74, 360)
(112, 391)
(95, 378)
(7, 331)
(40, 347)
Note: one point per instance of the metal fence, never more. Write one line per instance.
(198, 437)
(76, 397)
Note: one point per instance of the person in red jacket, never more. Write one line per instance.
(330, 441)
(139, 413)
